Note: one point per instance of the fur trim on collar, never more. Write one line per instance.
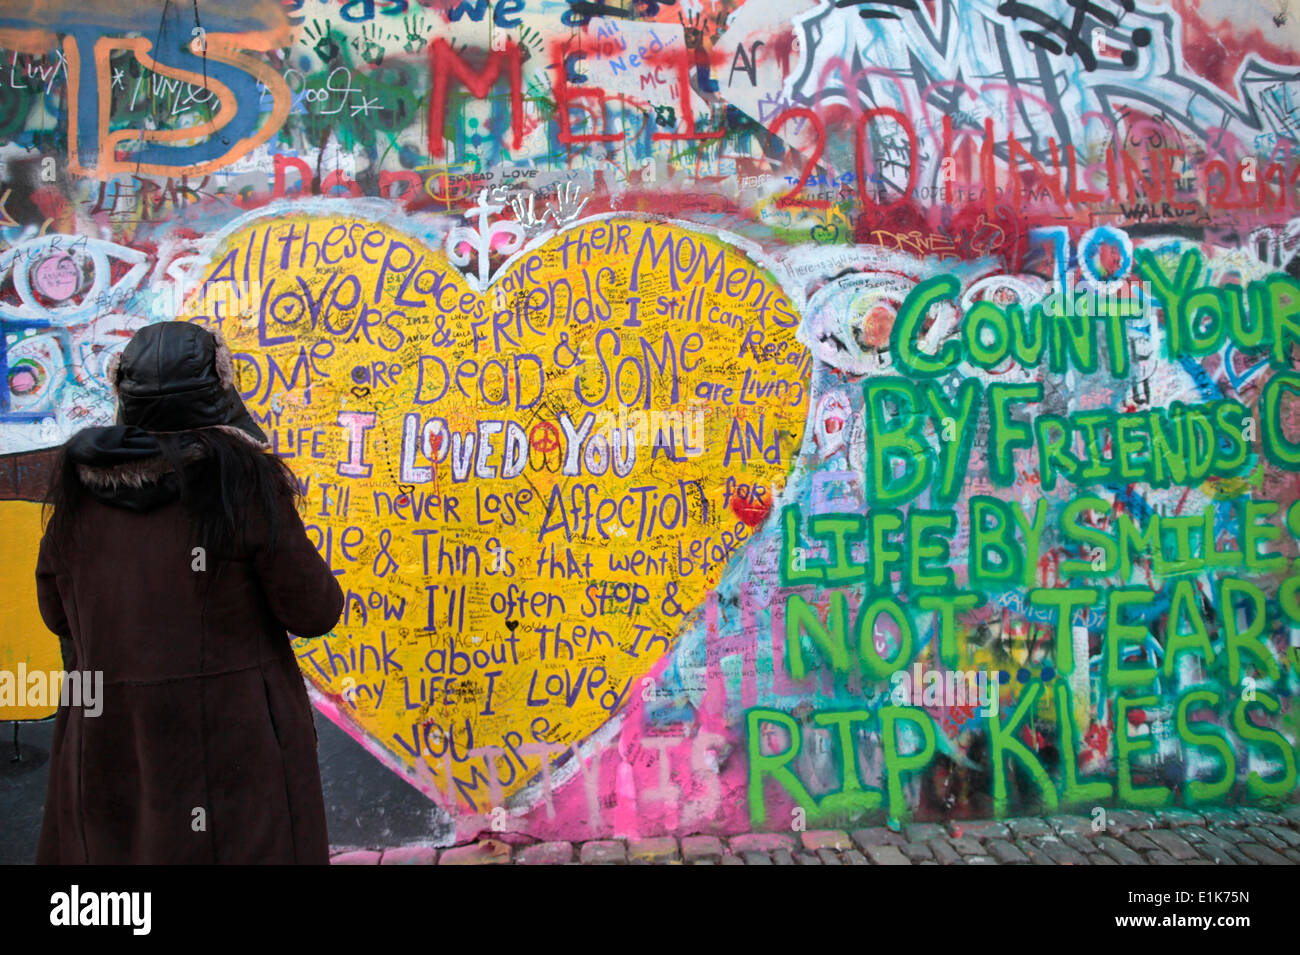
(131, 473)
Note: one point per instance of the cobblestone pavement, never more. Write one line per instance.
(1163, 837)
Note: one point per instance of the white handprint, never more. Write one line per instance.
(563, 209)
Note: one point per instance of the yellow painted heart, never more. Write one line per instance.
(523, 492)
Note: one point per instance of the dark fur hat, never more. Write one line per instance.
(178, 376)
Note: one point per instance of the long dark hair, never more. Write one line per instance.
(226, 484)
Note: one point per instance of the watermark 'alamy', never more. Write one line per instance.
(52, 687)
(75, 907)
(217, 300)
(679, 431)
(925, 687)
(1088, 299)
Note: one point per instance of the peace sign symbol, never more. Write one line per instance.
(544, 437)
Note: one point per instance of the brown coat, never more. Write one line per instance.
(205, 749)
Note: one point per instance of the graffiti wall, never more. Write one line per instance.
(719, 415)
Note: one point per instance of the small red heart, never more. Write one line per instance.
(752, 512)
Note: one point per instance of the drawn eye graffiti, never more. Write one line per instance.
(850, 321)
(94, 345)
(63, 280)
(57, 277)
(26, 376)
(60, 317)
(34, 369)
